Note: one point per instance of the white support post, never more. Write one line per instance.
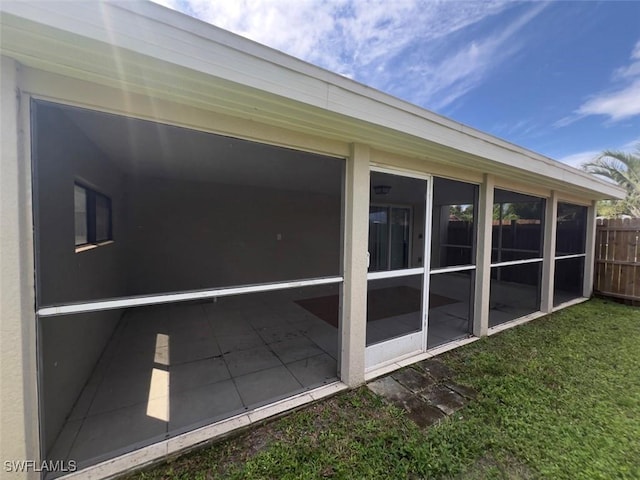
(483, 258)
(549, 253)
(589, 260)
(18, 384)
(354, 298)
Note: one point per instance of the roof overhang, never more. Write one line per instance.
(145, 48)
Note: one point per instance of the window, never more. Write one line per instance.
(92, 216)
(389, 237)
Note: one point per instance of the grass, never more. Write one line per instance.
(559, 399)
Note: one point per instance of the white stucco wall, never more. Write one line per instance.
(18, 390)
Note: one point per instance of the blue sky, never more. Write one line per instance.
(559, 78)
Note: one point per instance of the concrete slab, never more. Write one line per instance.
(423, 414)
(413, 379)
(445, 399)
(391, 390)
(427, 394)
(463, 390)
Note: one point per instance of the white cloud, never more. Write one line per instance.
(460, 72)
(580, 158)
(403, 47)
(624, 103)
(618, 104)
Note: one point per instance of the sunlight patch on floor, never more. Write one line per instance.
(158, 401)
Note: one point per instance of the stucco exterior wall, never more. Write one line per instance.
(18, 388)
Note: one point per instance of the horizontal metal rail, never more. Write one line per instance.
(566, 257)
(461, 268)
(395, 273)
(517, 262)
(143, 300)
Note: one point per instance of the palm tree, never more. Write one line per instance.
(624, 169)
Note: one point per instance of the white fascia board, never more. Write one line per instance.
(155, 32)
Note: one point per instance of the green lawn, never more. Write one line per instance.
(559, 398)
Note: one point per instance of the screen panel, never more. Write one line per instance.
(190, 210)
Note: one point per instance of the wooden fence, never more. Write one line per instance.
(617, 258)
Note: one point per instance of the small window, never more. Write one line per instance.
(92, 216)
(80, 196)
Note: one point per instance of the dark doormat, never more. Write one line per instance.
(381, 303)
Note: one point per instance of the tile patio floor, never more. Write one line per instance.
(172, 368)
(169, 369)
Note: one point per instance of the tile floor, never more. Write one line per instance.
(169, 369)
(562, 296)
(509, 300)
(450, 322)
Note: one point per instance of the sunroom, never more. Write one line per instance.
(205, 240)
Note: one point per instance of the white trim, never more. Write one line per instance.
(515, 322)
(477, 183)
(483, 241)
(159, 451)
(375, 167)
(590, 250)
(549, 247)
(507, 184)
(517, 262)
(407, 272)
(532, 316)
(393, 349)
(411, 358)
(353, 320)
(562, 198)
(570, 303)
(426, 255)
(180, 297)
(389, 350)
(464, 268)
(565, 257)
